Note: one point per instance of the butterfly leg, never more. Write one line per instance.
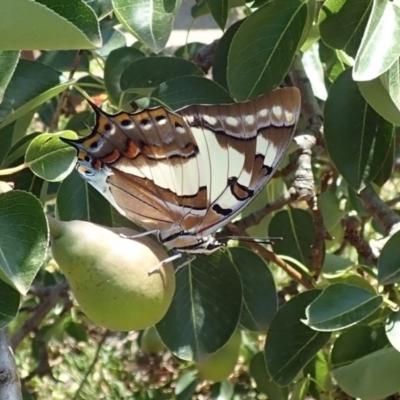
(154, 232)
(163, 262)
(188, 260)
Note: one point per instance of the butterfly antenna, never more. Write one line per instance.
(260, 240)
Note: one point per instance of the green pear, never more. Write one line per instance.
(219, 365)
(109, 275)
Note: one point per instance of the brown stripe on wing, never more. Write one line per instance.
(140, 195)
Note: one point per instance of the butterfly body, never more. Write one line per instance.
(187, 173)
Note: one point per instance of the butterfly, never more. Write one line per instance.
(185, 174)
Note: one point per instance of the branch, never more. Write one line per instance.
(351, 227)
(375, 206)
(10, 385)
(54, 295)
(321, 234)
(65, 93)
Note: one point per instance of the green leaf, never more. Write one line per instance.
(220, 59)
(380, 47)
(149, 21)
(186, 90)
(378, 97)
(296, 228)
(23, 238)
(8, 63)
(334, 264)
(342, 23)
(46, 153)
(152, 71)
(340, 306)
(205, 309)
(21, 19)
(389, 261)
(290, 344)
(260, 302)
(219, 11)
(115, 64)
(357, 342)
(188, 50)
(319, 370)
(31, 85)
(349, 119)
(392, 329)
(372, 377)
(9, 304)
(264, 47)
(186, 385)
(63, 60)
(264, 383)
(391, 81)
(77, 199)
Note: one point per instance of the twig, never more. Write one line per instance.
(55, 294)
(89, 370)
(376, 207)
(351, 226)
(65, 93)
(10, 385)
(317, 249)
(393, 201)
(272, 257)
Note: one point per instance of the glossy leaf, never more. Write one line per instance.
(188, 50)
(319, 371)
(392, 329)
(296, 228)
(340, 306)
(264, 383)
(372, 377)
(209, 291)
(77, 199)
(220, 59)
(31, 85)
(349, 119)
(21, 18)
(115, 65)
(149, 21)
(179, 92)
(290, 344)
(380, 47)
(357, 342)
(219, 11)
(8, 63)
(152, 71)
(46, 153)
(62, 60)
(334, 264)
(391, 81)
(389, 261)
(23, 226)
(378, 97)
(264, 47)
(342, 23)
(259, 293)
(186, 385)
(9, 303)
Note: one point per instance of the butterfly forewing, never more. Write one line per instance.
(187, 173)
